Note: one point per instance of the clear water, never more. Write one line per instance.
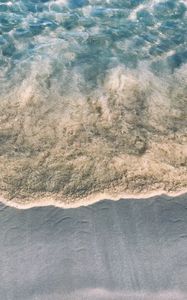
(92, 36)
(93, 98)
(90, 91)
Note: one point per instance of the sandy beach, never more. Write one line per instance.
(111, 250)
(93, 150)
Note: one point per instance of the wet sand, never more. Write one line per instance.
(111, 250)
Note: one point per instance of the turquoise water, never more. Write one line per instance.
(92, 36)
(93, 99)
(92, 93)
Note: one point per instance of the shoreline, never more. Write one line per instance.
(92, 199)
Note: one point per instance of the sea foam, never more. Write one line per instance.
(92, 100)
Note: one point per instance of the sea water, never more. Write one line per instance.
(93, 97)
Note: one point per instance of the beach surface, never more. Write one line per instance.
(132, 249)
(93, 109)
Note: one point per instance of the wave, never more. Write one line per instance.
(93, 98)
(126, 135)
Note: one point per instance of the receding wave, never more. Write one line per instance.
(127, 135)
(93, 99)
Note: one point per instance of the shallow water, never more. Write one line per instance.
(92, 35)
(129, 249)
(93, 97)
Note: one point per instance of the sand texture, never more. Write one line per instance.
(129, 136)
